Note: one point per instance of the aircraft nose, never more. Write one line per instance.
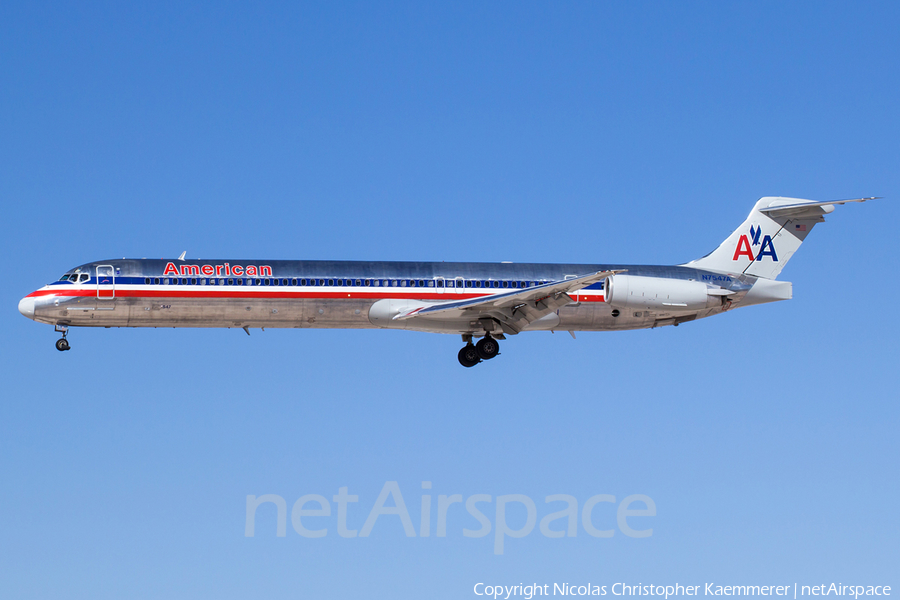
(26, 306)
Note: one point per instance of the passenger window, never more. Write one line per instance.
(156, 280)
(431, 283)
(147, 280)
(193, 282)
(231, 282)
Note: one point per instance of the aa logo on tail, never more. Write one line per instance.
(746, 243)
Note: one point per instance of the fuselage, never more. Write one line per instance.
(345, 294)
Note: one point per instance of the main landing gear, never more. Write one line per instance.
(62, 344)
(472, 354)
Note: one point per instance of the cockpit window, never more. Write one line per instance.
(84, 277)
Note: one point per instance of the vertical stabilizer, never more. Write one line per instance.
(768, 238)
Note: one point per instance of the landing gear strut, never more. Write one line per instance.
(62, 344)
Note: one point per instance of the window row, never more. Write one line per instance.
(341, 282)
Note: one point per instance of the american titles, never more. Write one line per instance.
(223, 270)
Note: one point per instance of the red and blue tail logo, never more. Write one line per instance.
(746, 244)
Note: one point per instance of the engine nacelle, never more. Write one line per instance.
(659, 294)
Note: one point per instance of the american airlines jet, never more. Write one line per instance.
(489, 301)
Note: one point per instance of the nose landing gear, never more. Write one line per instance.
(62, 344)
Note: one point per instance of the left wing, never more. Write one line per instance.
(515, 309)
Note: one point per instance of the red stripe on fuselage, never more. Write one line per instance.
(216, 293)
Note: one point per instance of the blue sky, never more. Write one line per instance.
(581, 132)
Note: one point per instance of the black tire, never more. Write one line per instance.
(487, 348)
(468, 356)
(62, 344)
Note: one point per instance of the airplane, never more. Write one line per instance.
(489, 301)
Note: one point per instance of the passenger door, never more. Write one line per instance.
(106, 282)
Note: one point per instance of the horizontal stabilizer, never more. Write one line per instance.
(807, 209)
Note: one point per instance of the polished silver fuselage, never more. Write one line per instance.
(335, 294)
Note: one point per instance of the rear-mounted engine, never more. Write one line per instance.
(633, 292)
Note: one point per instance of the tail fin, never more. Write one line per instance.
(768, 238)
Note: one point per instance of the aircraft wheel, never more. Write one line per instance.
(487, 348)
(62, 344)
(468, 356)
